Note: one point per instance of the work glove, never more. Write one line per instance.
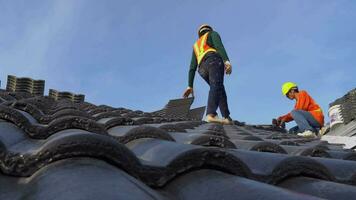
(187, 92)
(279, 122)
(228, 68)
(275, 122)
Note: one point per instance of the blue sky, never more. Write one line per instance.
(136, 54)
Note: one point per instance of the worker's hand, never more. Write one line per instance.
(278, 122)
(228, 68)
(187, 92)
(281, 123)
(275, 122)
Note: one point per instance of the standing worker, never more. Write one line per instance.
(210, 57)
(307, 114)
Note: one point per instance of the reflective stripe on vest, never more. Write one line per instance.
(318, 110)
(201, 47)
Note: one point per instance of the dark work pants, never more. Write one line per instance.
(212, 69)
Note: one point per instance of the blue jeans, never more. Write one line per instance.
(212, 69)
(305, 121)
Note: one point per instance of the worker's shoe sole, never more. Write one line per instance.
(227, 121)
(307, 134)
(211, 119)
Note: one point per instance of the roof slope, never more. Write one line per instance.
(58, 149)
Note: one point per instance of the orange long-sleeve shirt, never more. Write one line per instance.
(307, 103)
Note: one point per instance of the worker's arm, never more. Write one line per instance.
(192, 69)
(215, 41)
(303, 101)
(285, 118)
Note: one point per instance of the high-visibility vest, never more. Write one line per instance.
(201, 47)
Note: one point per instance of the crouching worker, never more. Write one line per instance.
(307, 113)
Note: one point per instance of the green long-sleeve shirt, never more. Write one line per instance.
(213, 41)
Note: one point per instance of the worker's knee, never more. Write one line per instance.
(216, 82)
(295, 113)
(216, 86)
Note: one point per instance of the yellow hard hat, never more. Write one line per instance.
(287, 86)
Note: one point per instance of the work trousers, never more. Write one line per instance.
(212, 69)
(305, 121)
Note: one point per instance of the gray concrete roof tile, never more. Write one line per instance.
(47, 145)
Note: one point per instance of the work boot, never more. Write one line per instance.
(213, 119)
(323, 130)
(227, 121)
(307, 134)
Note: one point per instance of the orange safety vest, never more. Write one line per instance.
(201, 47)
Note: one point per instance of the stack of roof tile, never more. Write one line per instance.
(59, 149)
(28, 85)
(347, 105)
(57, 95)
(180, 108)
(342, 115)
